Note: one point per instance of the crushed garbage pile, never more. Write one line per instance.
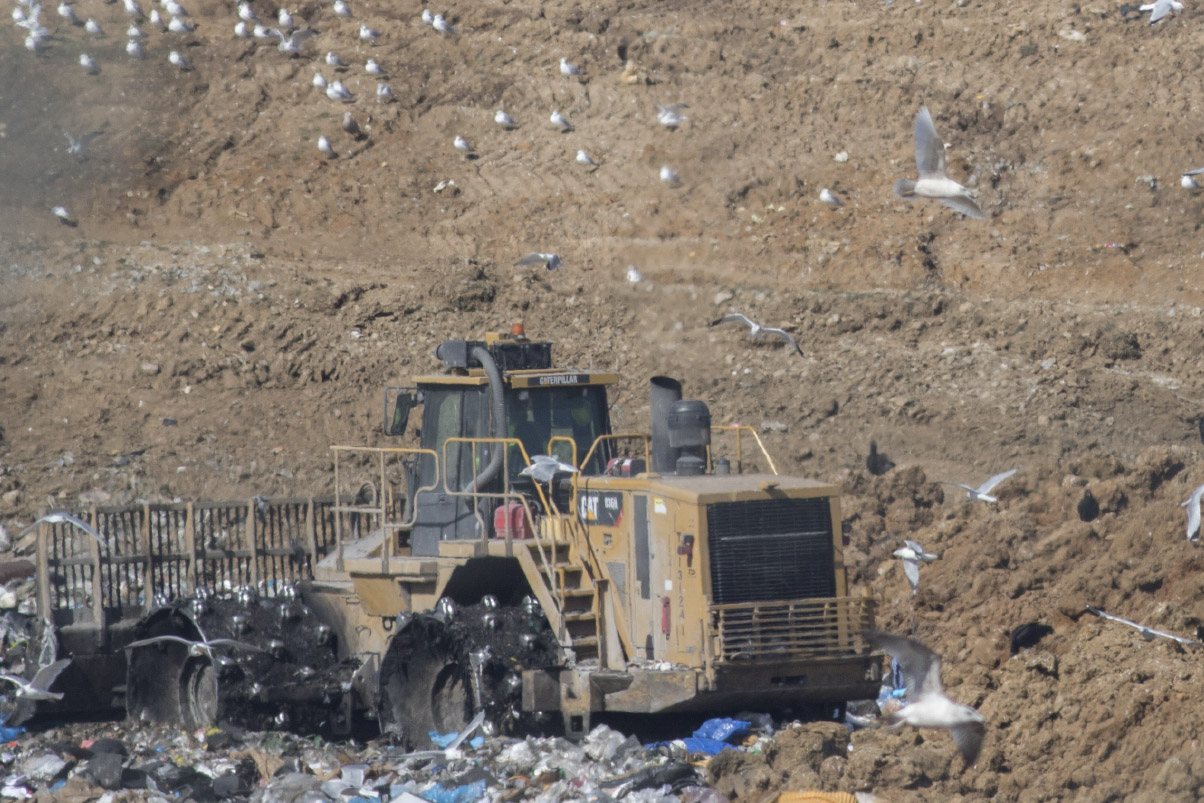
(113, 762)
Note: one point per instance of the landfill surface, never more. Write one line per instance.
(221, 302)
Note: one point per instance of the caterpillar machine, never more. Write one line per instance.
(456, 578)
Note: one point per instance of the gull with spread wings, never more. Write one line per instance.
(927, 706)
(1147, 633)
(983, 492)
(756, 329)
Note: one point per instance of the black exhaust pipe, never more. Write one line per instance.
(665, 392)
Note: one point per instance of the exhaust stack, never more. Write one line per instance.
(665, 392)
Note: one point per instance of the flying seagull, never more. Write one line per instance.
(39, 687)
(911, 554)
(549, 261)
(201, 649)
(983, 492)
(756, 329)
(933, 180)
(65, 518)
(292, 43)
(543, 468)
(1160, 8)
(78, 146)
(927, 705)
(670, 116)
(1193, 513)
(1147, 633)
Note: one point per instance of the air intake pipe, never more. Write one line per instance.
(665, 392)
(499, 419)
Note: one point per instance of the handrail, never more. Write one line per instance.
(572, 447)
(618, 436)
(739, 429)
(507, 494)
(383, 497)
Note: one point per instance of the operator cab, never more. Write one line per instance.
(502, 387)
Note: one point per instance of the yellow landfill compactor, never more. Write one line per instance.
(520, 562)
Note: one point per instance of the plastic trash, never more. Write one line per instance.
(438, 793)
(723, 729)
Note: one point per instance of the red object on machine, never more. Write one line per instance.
(665, 618)
(509, 517)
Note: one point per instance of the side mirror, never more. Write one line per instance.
(398, 404)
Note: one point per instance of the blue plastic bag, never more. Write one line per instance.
(439, 793)
(722, 729)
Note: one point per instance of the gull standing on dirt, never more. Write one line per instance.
(246, 13)
(427, 16)
(933, 181)
(68, 13)
(828, 197)
(568, 70)
(911, 554)
(756, 329)
(927, 705)
(319, 80)
(584, 158)
(179, 26)
(372, 68)
(197, 649)
(549, 261)
(175, 58)
(561, 122)
(461, 144)
(335, 61)
(441, 25)
(1193, 513)
(1147, 633)
(1187, 180)
(64, 217)
(284, 19)
(504, 120)
(39, 687)
(134, 49)
(325, 147)
(336, 91)
(65, 518)
(633, 275)
(670, 116)
(383, 93)
(544, 467)
(133, 9)
(1160, 8)
(669, 176)
(241, 31)
(134, 32)
(93, 27)
(342, 9)
(352, 127)
(175, 9)
(983, 492)
(89, 64)
(369, 35)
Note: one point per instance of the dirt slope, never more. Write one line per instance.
(230, 303)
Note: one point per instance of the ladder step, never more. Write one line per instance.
(577, 592)
(578, 616)
(585, 641)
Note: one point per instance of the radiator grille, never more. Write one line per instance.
(786, 631)
(771, 549)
